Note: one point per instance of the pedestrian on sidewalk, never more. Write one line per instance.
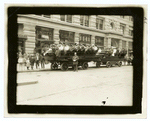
(42, 60)
(32, 60)
(37, 60)
(75, 59)
(28, 63)
(20, 61)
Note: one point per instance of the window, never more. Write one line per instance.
(67, 18)
(84, 20)
(44, 34)
(66, 36)
(112, 25)
(99, 41)
(130, 32)
(122, 27)
(84, 39)
(99, 23)
(62, 17)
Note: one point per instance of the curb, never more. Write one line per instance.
(26, 83)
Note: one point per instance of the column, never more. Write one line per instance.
(105, 42)
(107, 24)
(76, 19)
(93, 21)
(109, 42)
(127, 47)
(120, 44)
(29, 30)
(92, 39)
(56, 36)
(76, 38)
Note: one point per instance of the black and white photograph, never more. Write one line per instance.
(73, 61)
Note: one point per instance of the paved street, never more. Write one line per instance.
(95, 86)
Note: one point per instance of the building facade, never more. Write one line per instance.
(38, 31)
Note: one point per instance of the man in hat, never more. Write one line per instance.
(75, 59)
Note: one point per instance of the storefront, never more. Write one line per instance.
(44, 37)
(66, 36)
(84, 39)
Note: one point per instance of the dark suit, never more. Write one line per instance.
(75, 62)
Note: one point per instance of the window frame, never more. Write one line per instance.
(122, 25)
(66, 18)
(98, 22)
(84, 38)
(86, 22)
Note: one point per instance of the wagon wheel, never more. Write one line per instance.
(54, 66)
(108, 64)
(98, 64)
(85, 65)
(119, 63)
(64, 66)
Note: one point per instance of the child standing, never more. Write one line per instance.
(28, 63)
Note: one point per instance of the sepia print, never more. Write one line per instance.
(46, 45)
(75, 60)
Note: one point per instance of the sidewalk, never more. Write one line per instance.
(24, 68)
(48, 67)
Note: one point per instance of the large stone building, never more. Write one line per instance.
(37, 31)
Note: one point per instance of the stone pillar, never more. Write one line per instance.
(92, 39)
(105, 42)
(92, 20)
(56, 36)
(120, 44)
(109, 42)
(29, 30)
(76, 38)
(76, 19)
(107, 24)
(127, 47)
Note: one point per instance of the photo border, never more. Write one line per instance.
(138, 15)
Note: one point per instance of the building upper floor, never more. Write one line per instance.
(116, 24)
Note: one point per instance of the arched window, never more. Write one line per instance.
(112, 25)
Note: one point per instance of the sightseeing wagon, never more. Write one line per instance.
(116, 59)
(61, 56)
(111, 61)
(65, 61)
